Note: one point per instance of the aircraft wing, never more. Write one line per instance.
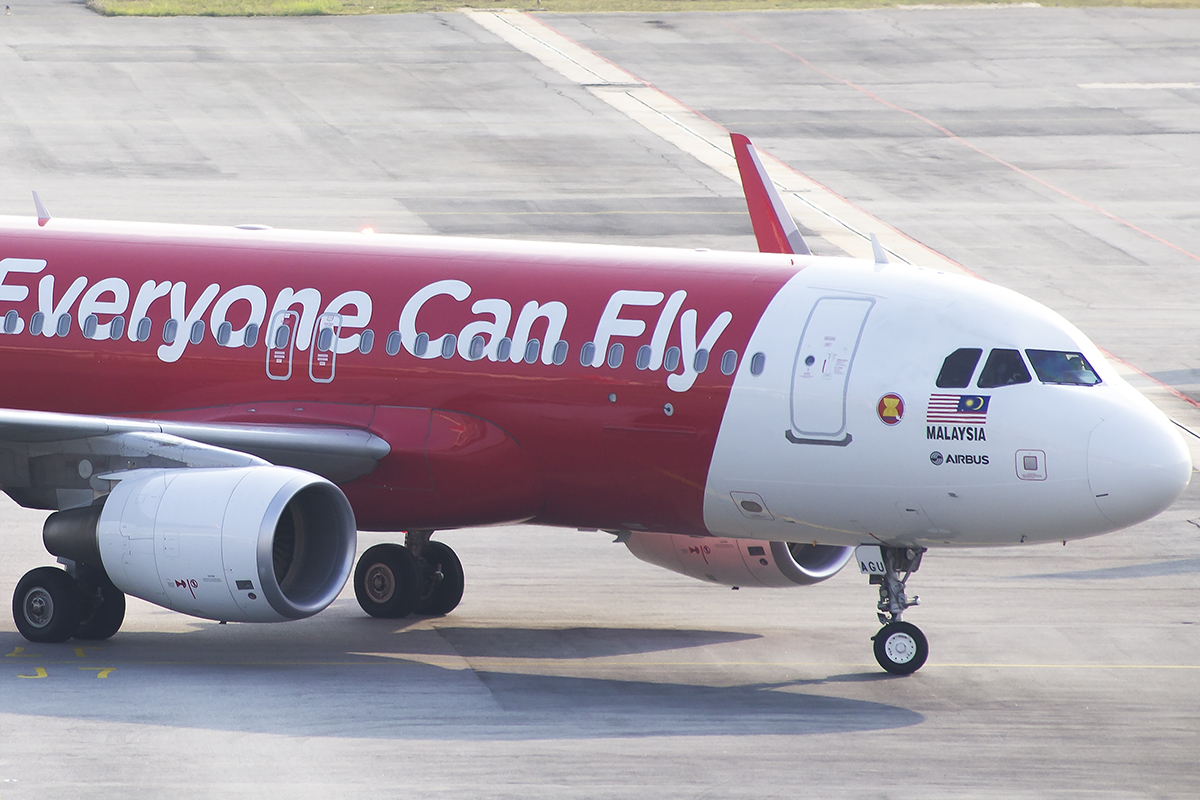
(50, 460)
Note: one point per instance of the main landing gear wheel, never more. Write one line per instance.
(103, 607)
(387, 581)
(443, 583)
(901, 648)
(47, 605)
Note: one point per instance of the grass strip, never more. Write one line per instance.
(309, 8)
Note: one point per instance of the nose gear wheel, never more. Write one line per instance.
(901, 648)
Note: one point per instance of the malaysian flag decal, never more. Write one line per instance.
(964, 409)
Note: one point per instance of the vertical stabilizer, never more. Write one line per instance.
(774, 228)
(43, 214)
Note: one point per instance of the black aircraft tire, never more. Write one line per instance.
(46, 605)
(107, 617)
(441, 596)
(387, 581)
(901, 648)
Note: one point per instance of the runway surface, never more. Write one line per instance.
(1049, 150)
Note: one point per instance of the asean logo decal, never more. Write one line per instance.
(890, 409)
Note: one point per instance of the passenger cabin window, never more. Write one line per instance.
(958, 368)
(671, 359)
(1003, 368)
(478, 344)
(1053, 366)
(392, 345)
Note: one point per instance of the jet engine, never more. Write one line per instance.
(740, 562)
(249, 544)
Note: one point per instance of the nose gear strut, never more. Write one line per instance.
(900, 647)
(892, 600)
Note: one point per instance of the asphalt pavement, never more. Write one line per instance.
(1050, 150)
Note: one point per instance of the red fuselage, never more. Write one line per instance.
(475, 439)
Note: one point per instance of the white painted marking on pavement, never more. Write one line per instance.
(815, 207)
(812, 205)
(1139, 86)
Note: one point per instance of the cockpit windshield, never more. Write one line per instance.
(958, 368)
(1003, 368)
(1054, 366)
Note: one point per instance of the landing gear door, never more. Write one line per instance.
(322, 356)
(281, 343)
(822, 369)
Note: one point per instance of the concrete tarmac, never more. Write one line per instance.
(571, 669)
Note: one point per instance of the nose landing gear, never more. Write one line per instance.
(900, 647)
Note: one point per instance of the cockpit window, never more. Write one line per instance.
(1054, 366)
(958, 368)
(1003, 368)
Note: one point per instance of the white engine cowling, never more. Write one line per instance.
(740, 562)
(251, 544)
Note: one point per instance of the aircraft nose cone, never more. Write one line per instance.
(1138, 465)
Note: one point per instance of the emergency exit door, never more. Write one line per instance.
(822, 369)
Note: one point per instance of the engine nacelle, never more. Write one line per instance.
(250, 544)
(740, 562)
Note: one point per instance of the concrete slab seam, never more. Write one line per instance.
(582, 66)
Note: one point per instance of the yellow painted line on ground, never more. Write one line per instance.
(101, 672)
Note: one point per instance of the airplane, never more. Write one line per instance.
(212, 414)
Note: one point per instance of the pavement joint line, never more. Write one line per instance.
(681, 126)
(955, 137)
(702, 138)
(551, 47)
(812, 215)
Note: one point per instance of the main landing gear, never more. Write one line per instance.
(52, 605)
(420, 576)
(900, 647)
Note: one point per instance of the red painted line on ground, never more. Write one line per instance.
(951, 135)
(1151, 378)
(714, 123)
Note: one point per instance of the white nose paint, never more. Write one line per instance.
(1101, 457)
(1138, 465)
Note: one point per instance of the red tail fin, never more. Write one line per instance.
(774, 228)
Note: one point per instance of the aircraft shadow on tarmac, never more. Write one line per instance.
(208, 680)
(577, 643)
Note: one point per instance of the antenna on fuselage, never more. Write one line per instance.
(877, 249)
(43, 214)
